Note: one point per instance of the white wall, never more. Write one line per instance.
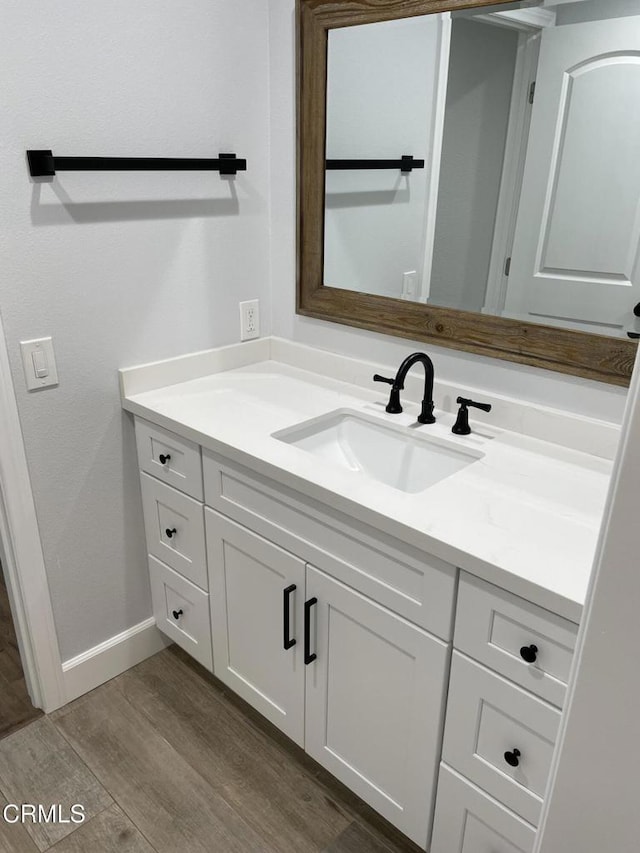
(382, 95)
(121, 268)
(544, 387)
(592, 804)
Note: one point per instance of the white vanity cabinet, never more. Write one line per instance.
(171, 486)
(343, 637)
(360, 687)
(499, 738)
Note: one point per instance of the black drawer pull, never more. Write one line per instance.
(177, 614)
(164, 458)
(170, 532)
(287, 641)
(512, 758)
(308, 656)
(529, 653)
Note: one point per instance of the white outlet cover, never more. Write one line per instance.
(38, 353)
(249, 319)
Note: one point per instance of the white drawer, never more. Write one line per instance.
(498, 628)
(181, 611)
(469, 821)
(174, 524)
(406, 580)
(489, 721)
(168, 457)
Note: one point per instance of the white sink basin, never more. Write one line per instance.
(398, 456)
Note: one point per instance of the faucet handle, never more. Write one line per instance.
(463, 401)
(393, 406)
(461, 426)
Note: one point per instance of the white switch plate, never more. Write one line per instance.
(38, 355)
(409, 284)
(249, 320)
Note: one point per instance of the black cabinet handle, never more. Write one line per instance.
(308, 657)
(177, 614)
(512, 758)
(287, 641)
(170, 532)
(529, 653)
(164, 458)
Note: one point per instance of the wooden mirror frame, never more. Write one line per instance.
(565, 350)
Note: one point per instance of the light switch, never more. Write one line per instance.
(39, 363)
(409, 284)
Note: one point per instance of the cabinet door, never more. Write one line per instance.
(469, 821)
(374, 702)
(248, 577)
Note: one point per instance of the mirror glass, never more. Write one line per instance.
(489, 161)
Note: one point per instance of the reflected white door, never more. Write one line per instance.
(575, 258)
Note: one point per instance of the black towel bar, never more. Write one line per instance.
(42, 163)
(405, 164)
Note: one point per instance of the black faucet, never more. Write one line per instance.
(393, 406)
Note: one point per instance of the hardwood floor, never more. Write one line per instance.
(15, 706)
(164, 758)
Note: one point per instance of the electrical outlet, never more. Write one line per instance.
(249, 320)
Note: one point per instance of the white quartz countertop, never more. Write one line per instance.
(525, 516)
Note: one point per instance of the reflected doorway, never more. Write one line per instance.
(16, 708)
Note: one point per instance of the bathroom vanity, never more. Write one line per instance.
(401, 602)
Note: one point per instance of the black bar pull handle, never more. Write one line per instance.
(308, 656)
(288, 641)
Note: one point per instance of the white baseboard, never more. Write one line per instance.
(112, 657)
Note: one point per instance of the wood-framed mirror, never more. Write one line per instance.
(599, 256)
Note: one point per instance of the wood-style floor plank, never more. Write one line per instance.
(109, 832)
(337, 796)
(357, 839)
(276, 795)
(38, 766)
(14, 838)
(170, 803)
(15, 705)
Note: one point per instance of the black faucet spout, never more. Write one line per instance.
(426, 415)
(394, 406)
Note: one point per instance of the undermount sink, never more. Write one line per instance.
(397, 456)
